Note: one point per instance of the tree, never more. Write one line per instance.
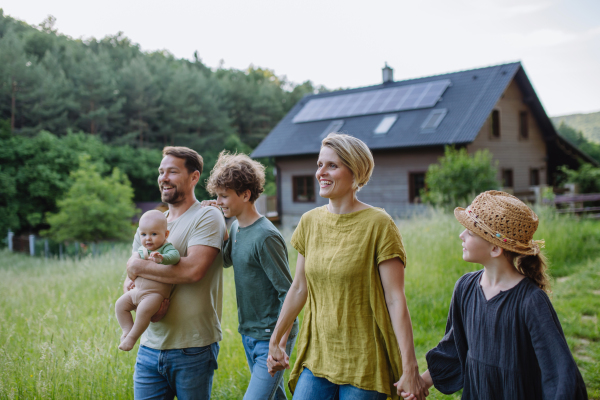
(578, 139)
(587, 177)
(95, 208)
(459, 177)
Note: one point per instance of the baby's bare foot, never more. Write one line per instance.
(127, 344)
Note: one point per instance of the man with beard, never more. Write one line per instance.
(178, 354)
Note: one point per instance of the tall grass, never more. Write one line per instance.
(59, 336)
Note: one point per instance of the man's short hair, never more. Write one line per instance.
(237, 172)
(193, 160)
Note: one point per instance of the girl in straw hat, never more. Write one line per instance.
(503, 339)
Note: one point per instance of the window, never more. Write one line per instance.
(507, 178)
(304, 189)
(416, 182)
(385, 124)
(534, 177)
(523, 125)
(495, 124)
(434, 119)
(334, 126)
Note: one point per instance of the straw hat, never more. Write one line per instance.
(503, 220)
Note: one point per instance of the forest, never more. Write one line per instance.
(61, 97)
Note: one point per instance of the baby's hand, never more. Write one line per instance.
(156, 257)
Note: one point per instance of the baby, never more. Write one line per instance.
(147, 295)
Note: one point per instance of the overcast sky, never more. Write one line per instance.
(346, 43)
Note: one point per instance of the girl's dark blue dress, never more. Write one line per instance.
(508, 347)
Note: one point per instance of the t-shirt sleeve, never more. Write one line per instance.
(170, 255)
(298, 238)
(209, 229)
(389, 243)
(443, 361)
(561, 378)
(274, 260)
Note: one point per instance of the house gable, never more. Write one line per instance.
(513, 152)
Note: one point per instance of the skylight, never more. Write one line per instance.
(334, 126)
(434, 119)
(385, 124)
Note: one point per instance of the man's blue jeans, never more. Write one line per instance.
(262, 386)
(185, 373)
(310, 387)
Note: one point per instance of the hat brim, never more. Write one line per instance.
(462, 217)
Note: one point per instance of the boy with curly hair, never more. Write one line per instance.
(259, 257)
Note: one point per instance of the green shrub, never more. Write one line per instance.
(459, 177)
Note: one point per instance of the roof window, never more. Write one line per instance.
(334, 126)
(385, 124)
(434, 119)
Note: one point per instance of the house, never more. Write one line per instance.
(407, 124)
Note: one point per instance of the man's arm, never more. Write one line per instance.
(189, 269)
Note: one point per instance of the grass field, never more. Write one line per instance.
(59, 336)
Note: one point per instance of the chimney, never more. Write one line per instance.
(388, 74)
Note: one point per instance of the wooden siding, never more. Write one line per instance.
(510, 150)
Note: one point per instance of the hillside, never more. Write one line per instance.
(589, 124)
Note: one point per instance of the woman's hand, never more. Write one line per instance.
(277, 360)
(411, 385)
(208, 203)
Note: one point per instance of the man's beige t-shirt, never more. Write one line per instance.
(194, 315)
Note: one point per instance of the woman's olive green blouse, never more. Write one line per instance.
(347, 335)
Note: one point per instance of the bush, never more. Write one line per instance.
(94, 208)
(587, 177)
(459, 177)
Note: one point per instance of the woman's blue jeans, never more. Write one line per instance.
(310, 387)
(262, 386)
(185, 373)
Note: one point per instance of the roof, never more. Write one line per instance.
(468, 102)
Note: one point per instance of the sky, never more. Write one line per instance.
(344, 44)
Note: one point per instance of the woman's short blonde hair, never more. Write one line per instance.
(355, 155)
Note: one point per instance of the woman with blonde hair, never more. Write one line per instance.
(356, 340)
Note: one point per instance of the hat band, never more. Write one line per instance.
(534, 245)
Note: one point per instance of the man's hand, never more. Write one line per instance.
(128, 285)
(162, 311)
(132, 265)
(208, 203)
(411, 385)
(156, 257)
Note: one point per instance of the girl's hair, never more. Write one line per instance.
(533, 267)
(354, 154)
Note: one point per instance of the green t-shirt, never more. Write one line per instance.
(169, 253)
(262, 276)
(347, 335)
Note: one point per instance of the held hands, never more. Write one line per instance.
(411, 385)
(277, 360)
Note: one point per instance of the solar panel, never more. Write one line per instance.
(410, 97)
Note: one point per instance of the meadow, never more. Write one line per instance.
(59, 335)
